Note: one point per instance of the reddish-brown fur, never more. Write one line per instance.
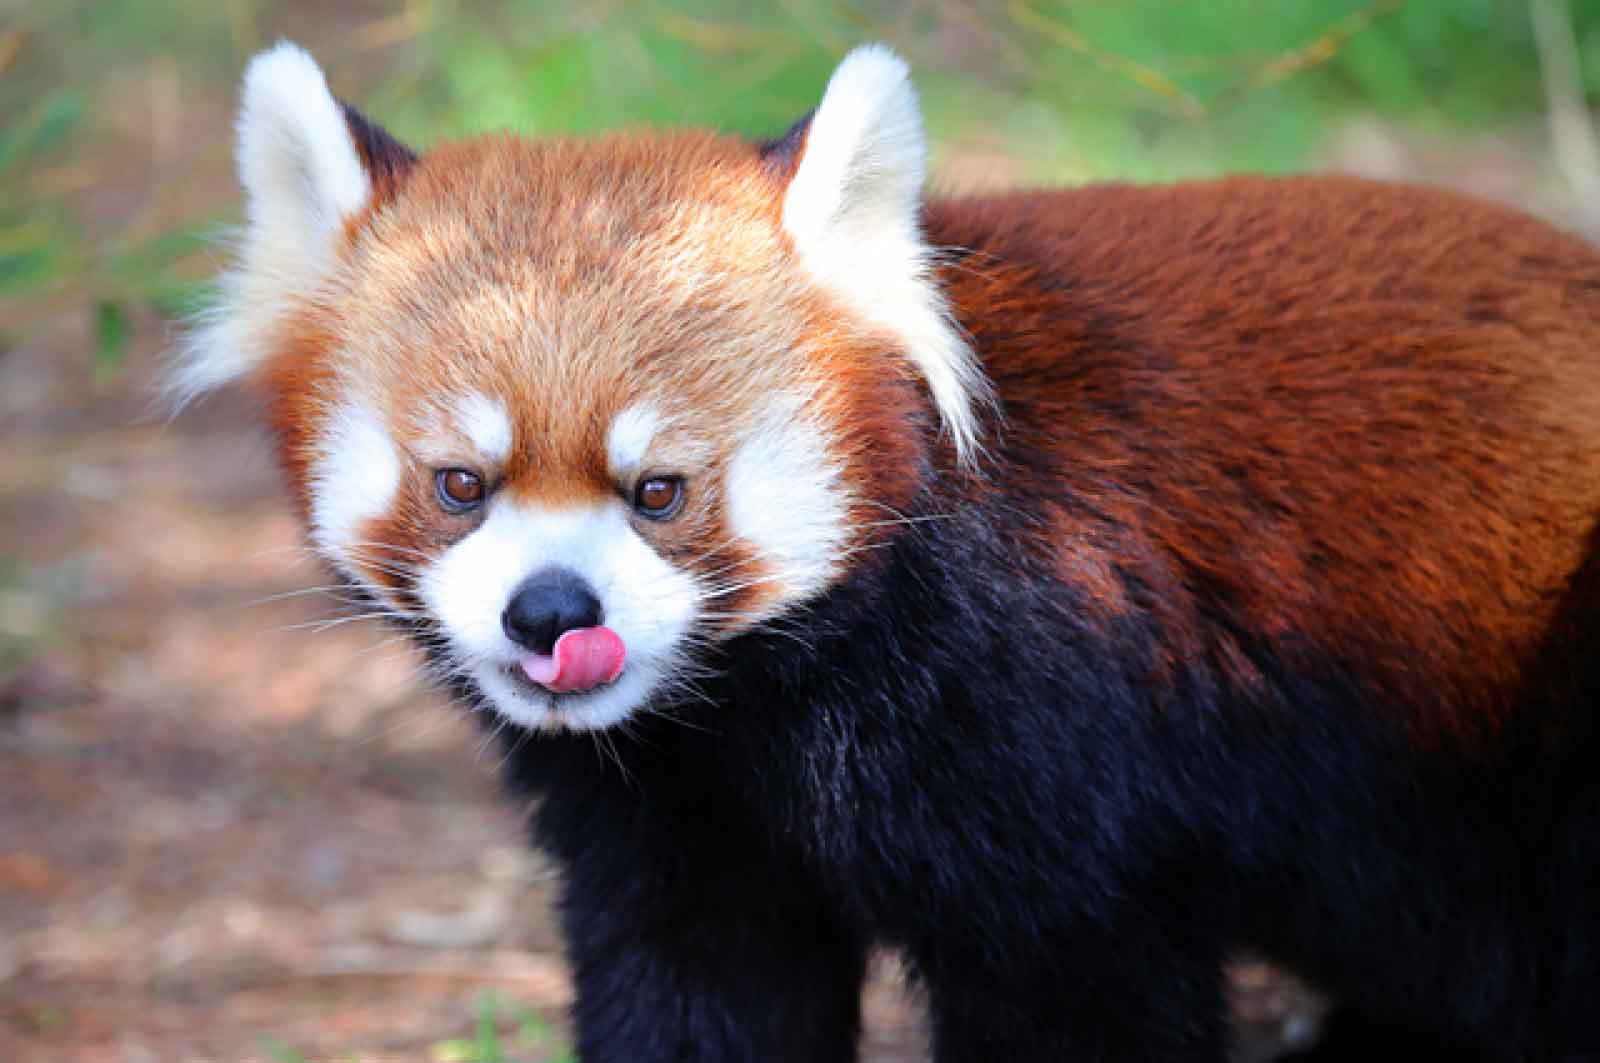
(293, 386)
(1365, 417)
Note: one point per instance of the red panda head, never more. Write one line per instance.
(573, 409)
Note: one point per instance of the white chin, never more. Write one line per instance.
(539, 710)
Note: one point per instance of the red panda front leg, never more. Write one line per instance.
(1083, 1001)
(713, 989)
(689, 940)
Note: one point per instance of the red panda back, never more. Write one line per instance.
(1359, 421)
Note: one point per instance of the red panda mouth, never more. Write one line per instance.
(581, 660)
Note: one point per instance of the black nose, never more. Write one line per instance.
(548, 604)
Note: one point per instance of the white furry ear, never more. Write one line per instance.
(297, 160)
(853, 210)
(303, 174)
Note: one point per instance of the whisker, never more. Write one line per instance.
(333, 589)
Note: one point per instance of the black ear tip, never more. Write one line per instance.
(783, 155)
(386, 159)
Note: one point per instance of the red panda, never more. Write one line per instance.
(1064, 587)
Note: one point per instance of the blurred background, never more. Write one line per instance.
(232, 827)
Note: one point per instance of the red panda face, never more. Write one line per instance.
(573, 410)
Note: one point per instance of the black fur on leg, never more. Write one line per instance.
(691, 940)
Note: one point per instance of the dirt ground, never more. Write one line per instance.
(231, 827)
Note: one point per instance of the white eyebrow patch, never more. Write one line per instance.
(486, 424)
(629, 438)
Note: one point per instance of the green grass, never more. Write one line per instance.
(529, 1040)
(486, 1045)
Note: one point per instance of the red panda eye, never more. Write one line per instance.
(659, 497)
(459, 490)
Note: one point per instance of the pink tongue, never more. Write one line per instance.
(583, 658)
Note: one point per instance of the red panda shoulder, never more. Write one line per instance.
(1333, 412)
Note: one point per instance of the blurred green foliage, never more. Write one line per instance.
(35, 238)
(1064, 90)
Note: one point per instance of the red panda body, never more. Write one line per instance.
(1066, 588)
(1364, 420)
